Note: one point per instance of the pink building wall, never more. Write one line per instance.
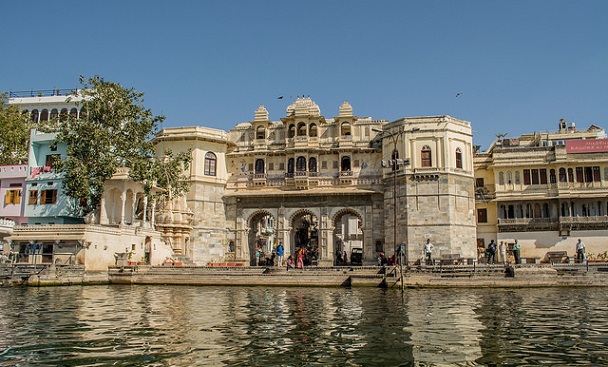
(12, 177)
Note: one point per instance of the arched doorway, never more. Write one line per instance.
(262, 238)
(305, 235)
(348, 238)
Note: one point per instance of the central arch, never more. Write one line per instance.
(305, 234)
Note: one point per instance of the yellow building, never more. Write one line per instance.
(546, 190)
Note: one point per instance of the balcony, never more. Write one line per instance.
(583, 223)
(527, 224)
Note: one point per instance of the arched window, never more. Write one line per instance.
(54, 113)
(562, 175)
(290, 164)
(458, 158)
(313, 130)
(345, 166)
(301, 164)
(301, 129)
(260, 132)
(517, 178)
(210, 164)
(291, 132)
(83, 113)
(570, 175)
(312, 164)
(63, 115)
(44, 115)
(259, 166)
(425, 157)
(345, 129)
(552, 178)
(35, 115)
(74, 113)
(501, 178)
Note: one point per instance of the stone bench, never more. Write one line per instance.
(557, 256)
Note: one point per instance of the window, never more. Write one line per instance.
(290, 165)
(345, 164)
(552, 177)
(501, 178)
(291, 132)
(259, 166)
(48, 196)
(301, 129)
(271, 166)
(83, 113)
(44, 115)
(562, 175)
(425, 157)
(570, 175)
(323, 164)
(260, 132)
(596, 174)
(313, 130)
(345, 129)
(33, 197)
(517, 178)
(535, 177)
(527, 177)
(35, 115)
(12, 197)
(281, 166)
(312, 164)
(210, 164)
(54, 113)
(301, 164)
(543, 176)
(51, 160)
(63, 115)
(579, 174)
(479, 182)
(482, 215)
(458, 158)
(74, 113)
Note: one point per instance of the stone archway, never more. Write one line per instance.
(262, 237)
(348, 235)
(305, 234)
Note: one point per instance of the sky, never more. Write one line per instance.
(513, 67)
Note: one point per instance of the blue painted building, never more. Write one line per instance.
(45, 200)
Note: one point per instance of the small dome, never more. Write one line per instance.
(261, 114)
(303, 106)
(345, 109)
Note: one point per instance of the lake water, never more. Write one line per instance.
(240, 326)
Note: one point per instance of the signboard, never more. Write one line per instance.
(587, 146)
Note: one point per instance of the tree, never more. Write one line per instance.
(115, 130)
(14, 133)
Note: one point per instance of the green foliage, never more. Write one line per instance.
(116, 130)
(14, 133)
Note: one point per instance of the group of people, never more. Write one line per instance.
(498, 253)
(277, 254)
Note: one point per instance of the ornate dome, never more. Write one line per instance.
(345, 109)
(303, 106)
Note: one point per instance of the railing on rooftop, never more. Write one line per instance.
(42, 92)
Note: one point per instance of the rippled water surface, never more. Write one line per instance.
(238, 326)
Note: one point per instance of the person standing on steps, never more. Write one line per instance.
(428, 252)
(516, 252)
(580, 251)
(280, 254)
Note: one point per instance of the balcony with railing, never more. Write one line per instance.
(527, 224)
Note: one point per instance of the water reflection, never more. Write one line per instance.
(210, 326)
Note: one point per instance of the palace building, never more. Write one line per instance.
(343, 185)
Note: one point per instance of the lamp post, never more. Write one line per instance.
(396, 163)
